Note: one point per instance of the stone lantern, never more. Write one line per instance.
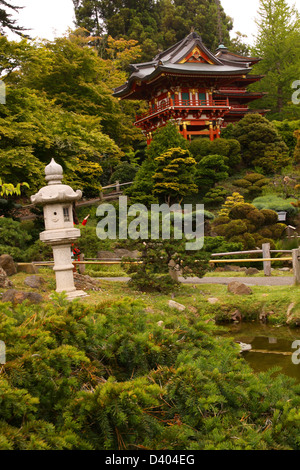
(57, 200)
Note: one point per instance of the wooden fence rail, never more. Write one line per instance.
(266, 260)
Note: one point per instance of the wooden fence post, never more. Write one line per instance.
(266, 254)
(296, 266)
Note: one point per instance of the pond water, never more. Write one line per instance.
(270, 346)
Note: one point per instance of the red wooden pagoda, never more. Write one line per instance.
(200, 91)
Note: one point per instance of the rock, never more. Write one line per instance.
(28, 268)
(244, 346)
(213, 300)
(176, 305)
(236, 269)
(117, 254)
(149, 310)
(290, 314)
(7, 263)
(103, 254)
(160, 323)
(17, 297)
(193, 309)
(35, 282)
(251, 271)
(5, 283)
(236, 316)
(239, 288)
(263, 316)
(123, 253)
(85, 282)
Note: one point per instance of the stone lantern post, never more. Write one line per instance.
(57, 201)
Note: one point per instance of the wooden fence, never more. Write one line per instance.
(265, 251)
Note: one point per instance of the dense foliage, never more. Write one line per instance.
(250, 226)
(156, 24)
(261, 145)
(60, 104)
(6, 20)
(278, 44)
(116, 377)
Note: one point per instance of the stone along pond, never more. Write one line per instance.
(271, 346)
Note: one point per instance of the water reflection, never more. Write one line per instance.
(270, 346)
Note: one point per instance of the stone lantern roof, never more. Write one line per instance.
(55, 191)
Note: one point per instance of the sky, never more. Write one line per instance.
(51, 18)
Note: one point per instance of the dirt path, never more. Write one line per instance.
(251, 281)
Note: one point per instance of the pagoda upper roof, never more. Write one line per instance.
(188, 56)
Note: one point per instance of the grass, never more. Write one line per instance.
(275, 272)
(270, 301)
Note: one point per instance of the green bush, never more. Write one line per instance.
(253, 184)
(261, 144)
(276, 203)
(249, 226)
(230, 149)
(215, 196)
(109, 377)
(14, 239)
(209, 170)
(124, 173)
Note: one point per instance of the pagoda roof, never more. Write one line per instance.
(187, 57)
(226, 56)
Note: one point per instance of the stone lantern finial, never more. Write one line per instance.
(53, 172)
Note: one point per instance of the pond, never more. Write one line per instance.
(270, 346)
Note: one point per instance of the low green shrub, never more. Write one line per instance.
(276, 203)
(247, 225)
(113, 376)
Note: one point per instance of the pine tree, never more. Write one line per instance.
(278, 44)
(155, 24)
(6, 20)
(173, 179)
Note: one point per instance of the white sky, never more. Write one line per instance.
(51, 18)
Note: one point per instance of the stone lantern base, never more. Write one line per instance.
(63, 266)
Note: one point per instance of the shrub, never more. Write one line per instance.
(14, 239)
(230, 149)
(261, 144)
(231, 201)
(247, 225)
(210, 169)
(152, 274)
(252, 183)
(215, 196)
(108, 377)
(124, 173)
(276, 203)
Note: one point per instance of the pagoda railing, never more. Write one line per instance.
(239, 106)
(170, 103)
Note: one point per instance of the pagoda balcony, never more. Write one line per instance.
(236, 107)
(170, 104)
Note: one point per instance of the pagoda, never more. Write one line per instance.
(199, 91)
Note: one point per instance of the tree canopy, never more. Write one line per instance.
(278, 44)
(156, 24)
(6, 19)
